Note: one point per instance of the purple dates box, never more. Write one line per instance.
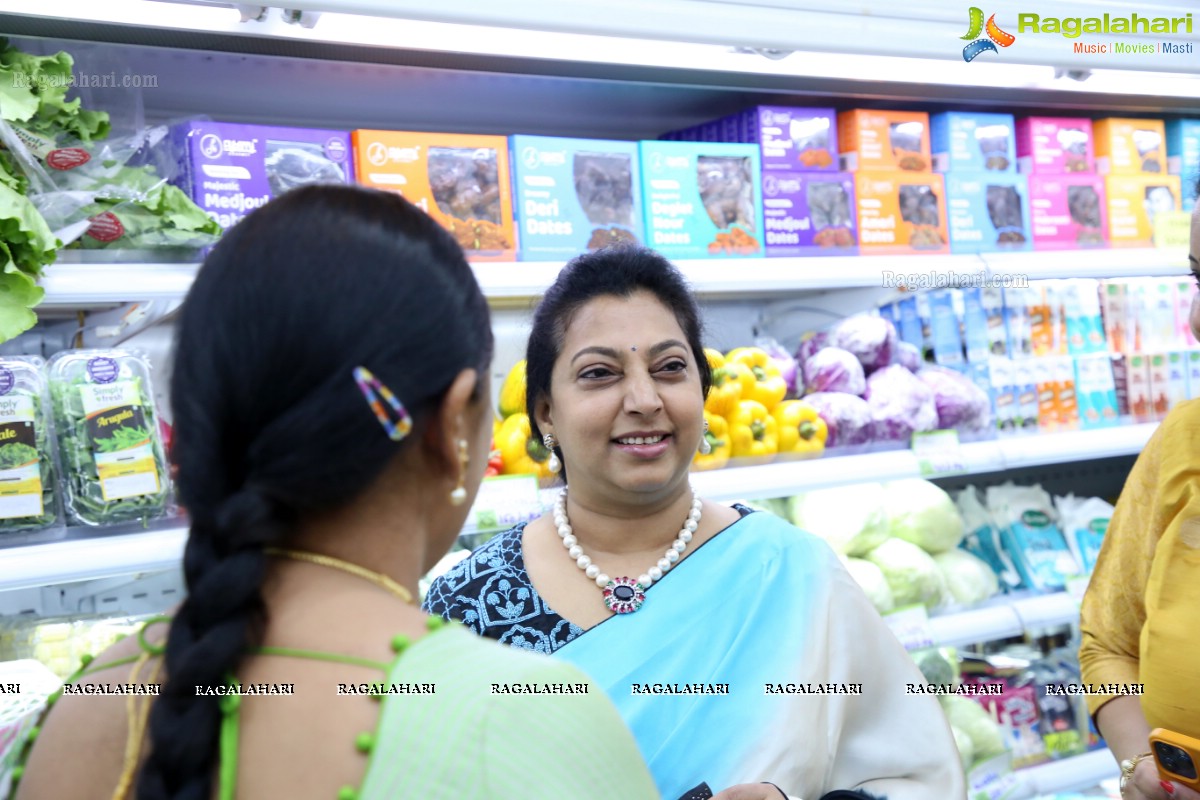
(231, 169)
(809, 214)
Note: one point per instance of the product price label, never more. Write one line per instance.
(938, 453)
(993, 780)
(911, 626)
(1173, 229)
(504, 501)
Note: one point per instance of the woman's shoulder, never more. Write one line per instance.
(1180, 429)
(501, 553)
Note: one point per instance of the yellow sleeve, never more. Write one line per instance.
(1114, 608)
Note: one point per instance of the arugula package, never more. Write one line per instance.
(112, 455)
(27, 501)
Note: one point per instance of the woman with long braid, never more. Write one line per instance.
(331, 428)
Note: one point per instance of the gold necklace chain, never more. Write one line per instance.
(379, 579)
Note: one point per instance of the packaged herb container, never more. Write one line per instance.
(111, 452)
(27, 499)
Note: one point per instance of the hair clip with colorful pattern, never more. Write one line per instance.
(377, 396)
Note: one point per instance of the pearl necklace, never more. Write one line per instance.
(624, 595)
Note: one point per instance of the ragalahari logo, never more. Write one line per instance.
(994, 36)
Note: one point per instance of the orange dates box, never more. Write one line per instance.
(901, 213)
(460, 180)
(884, 140)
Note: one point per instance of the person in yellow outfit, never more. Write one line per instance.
(1139, 614)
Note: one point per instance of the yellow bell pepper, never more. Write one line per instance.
(801, 429)
(730, 382)
(715, 359)
(718, 439)
(769, 387)
(521, 452)
(512, 391)
(754, 432)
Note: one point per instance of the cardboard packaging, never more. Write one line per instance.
(809, 213)
(460, 180)
(1068, 211)
(1055, 145)
(1183, 156)
(702, 200)
(988, 212)
(1130, 146)
(901, 212)
(1133, 202)
(884, 140)
(231, 169)
(575, 195)
(967, 141)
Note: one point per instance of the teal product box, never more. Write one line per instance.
(975, 325)
(1183, 156)
(574, 195)
(964, 141)
(947, 339)
(702, 200)
(1040, 552)
(1177, 378)
(1096, 392)
(988, 212)
(909, 323)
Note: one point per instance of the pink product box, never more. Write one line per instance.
(1055, 145)
(1067, 212)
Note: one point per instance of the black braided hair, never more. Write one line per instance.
(617, 271)
(270, 425)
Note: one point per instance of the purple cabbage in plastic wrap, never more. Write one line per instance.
(960, 403)
(848, 417)
(788, 365)
(870, 338)
(900, 404)
(908, 356)
(834, 370)
(810, 345)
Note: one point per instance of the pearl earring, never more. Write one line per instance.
(705, 448)
(554, 465)
(459, 495)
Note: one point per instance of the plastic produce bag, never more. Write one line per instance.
(834, 370)
(1084, 522)
(969, 580)
(847, 418)
(960, 404)
(900, 405)
(112, 455)
(982, 539)
(852, 519)
(908, 356)
(871, 338)
(1030, 536)
(910, 572)
(922, 513)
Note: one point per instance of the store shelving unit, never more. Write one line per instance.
(1068, 775)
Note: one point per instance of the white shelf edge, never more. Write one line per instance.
(68, 560)
(1070, 774)
(1003, 617)
(82, 283)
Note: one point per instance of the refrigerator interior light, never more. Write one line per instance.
(387, 32)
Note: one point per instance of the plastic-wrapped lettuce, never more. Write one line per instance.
(968, 579)
(910, 572)
(27, 500)
(112, 455)
(834, 370)
(922, 513)
(847, 417)
(900, 405)
(870, 578)
(973, 719)
(966, 748)
(851, 518)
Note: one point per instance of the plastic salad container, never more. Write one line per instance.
(27, 485)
